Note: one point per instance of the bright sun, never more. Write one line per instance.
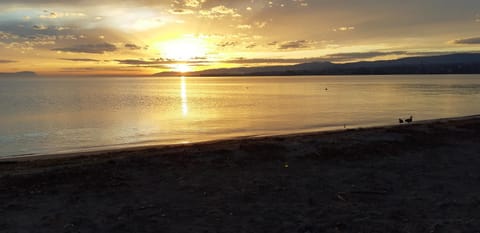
(184, 49)
(182, 68)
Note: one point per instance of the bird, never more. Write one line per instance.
(409, 120)
(400, 120)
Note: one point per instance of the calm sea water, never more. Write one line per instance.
(53, 115)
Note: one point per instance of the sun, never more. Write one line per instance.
(184, 49)
(182, 68)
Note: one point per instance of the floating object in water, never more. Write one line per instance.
(400, 120)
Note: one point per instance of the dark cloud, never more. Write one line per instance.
(337, 57)
(181, 11)
(89, 69)
(139, 62)
(159, 61)
(361, 55)
(39, 27)
(132, 46)
(297, 44)
(80, 59)
(227, 44)
(273, 60)
(251, 46)
(472, 40)
(7, 61)
(89, 48)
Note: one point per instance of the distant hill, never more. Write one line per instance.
(465, 63)
(23, 74)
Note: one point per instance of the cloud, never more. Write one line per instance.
(244, 26)
(39, 27)
(7, 36)
(60, 28)
(160, 61)
(183, 4)
(89, 48)
(54, 15)
(356, 56)
(297, 44)
(143, 62)
(340, 57)
(184, 7)
(219, 12)
(132, 46)
(344, 29)
(190, 3)
(472, 40)
(227, 44)
(242, 60)
(335, 57)
(7, 61)
(180, 11)
(105, 68)
(25, 42)
(261, 24)
(49, 15)
(80, 59)
(202, 60)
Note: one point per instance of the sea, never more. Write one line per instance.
(42, 115)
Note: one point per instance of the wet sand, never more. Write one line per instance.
(422, 177)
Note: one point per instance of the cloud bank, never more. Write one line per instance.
(89, 48)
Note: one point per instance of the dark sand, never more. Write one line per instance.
(423, 177)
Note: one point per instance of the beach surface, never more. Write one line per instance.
(421, 177)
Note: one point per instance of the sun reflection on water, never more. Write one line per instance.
(183, 95)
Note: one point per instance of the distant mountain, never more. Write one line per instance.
(23, 74)
(465, 63)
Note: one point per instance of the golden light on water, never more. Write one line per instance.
(183, 96)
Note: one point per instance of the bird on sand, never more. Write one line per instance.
(409, 120)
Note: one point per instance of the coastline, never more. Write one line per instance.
(135, 149)
(400, 178)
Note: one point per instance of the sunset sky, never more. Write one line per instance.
(127, 37)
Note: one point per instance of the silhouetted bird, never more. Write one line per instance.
(400, 120)
(409, 120)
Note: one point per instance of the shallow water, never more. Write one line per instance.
(52, 115)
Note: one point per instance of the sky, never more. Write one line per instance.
(143, 37)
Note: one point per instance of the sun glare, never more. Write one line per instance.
(184, 49)
(182, 68)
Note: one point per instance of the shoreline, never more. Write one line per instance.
(132, 149)
(421, 177)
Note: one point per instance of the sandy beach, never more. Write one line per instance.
(422, 177)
